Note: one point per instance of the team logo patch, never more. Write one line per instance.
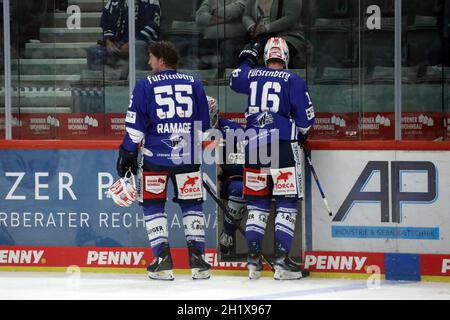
(310, 113)
(189, 185)
(155, 184)
(284, 181)
(175, 142)
(255, 181)
(131, 117)
(263, 120)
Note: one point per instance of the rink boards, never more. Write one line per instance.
(353, 265)
(389, 200)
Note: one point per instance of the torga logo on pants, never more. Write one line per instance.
(284, 181)
(189, 185)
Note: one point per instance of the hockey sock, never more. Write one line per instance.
(285, 224)
(157, 226)
(194, 224)
(258, 212)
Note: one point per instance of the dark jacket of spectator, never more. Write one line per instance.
(114, 20)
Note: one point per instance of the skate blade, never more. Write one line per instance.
(253, 274)
(198, 274)
(287, 275)
(166, 275)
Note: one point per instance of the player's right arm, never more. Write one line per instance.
(248, 58)
(135, 124)
(239, 78)
(137, 118)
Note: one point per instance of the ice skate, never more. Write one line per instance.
(254, 264)
(286, 268)
(200, 268)
(161, 267)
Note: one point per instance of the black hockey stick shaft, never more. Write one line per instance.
(227, 213)
(316, 178)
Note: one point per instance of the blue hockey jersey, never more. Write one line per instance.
(278, 99)
(233, 156)
(161, 116)
(226, 125)
(114, 20)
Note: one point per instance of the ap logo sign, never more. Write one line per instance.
(391, 195)
(400, 182)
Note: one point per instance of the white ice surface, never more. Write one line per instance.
(28, 285)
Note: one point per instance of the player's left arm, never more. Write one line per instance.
(302, 108)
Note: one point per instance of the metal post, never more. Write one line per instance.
(398, 69)
(7, 55)
(131, 45)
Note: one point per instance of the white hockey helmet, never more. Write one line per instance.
(276, 48)
(213, 111)
(123, 192)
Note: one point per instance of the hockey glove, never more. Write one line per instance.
(251, 53)
(127, 160)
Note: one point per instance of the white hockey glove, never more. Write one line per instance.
(123, 192)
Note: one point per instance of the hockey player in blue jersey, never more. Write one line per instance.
(231, 178)
(278, 101)
(161, 119)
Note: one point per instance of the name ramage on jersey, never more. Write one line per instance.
(173, 128)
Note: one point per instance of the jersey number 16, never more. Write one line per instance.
(266, 96)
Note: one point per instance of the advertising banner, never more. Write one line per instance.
(101, 257)
(57, 198)
(328, 125)
(378, 126)
(382, 201)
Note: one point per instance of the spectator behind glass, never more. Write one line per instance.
(114, 22)
(264, 19)
(27, 18)
(438, 52)
(223, 21)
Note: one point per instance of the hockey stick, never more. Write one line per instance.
(227, 213)
(307, 155)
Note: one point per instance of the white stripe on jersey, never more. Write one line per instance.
(135, 135)
(304, 130)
